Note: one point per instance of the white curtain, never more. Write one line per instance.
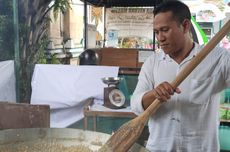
(7, 81)
(66, 87)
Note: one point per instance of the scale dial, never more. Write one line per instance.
(117, 98)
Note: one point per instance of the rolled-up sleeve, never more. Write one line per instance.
(145, 84)
(226, 65)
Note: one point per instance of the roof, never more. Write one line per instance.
(123, 3)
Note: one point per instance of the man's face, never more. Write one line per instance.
(169, 33)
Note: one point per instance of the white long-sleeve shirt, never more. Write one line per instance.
(189, 121)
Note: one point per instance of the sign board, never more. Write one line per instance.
(130, 23)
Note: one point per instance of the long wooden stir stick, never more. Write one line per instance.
(126, 136)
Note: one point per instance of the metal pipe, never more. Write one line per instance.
(16, 49)
(86, 26)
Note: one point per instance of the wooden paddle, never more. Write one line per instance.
(126, 136)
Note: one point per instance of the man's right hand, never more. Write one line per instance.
(162, 92)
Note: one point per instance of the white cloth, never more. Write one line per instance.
(188, 122)
(66, 87)
(7, 81)
(98, 106)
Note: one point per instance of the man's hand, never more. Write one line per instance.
(164, 91)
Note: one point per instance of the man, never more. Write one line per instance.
(187, 119)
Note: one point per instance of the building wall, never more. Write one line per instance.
(67, 26)
(56, 30)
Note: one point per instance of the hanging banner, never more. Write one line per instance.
(129, 22)
(206, 12)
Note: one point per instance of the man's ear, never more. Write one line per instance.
(186, 25)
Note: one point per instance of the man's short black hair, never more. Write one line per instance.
(179, 10)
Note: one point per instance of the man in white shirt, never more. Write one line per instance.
(187, 119)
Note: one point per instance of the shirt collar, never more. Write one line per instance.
(192, 54)
(164, 56)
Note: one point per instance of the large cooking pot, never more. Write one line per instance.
(20, 140)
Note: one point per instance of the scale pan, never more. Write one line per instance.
(111, 80)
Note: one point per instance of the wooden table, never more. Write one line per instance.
(89, 112)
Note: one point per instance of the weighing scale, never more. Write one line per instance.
(113, 97)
